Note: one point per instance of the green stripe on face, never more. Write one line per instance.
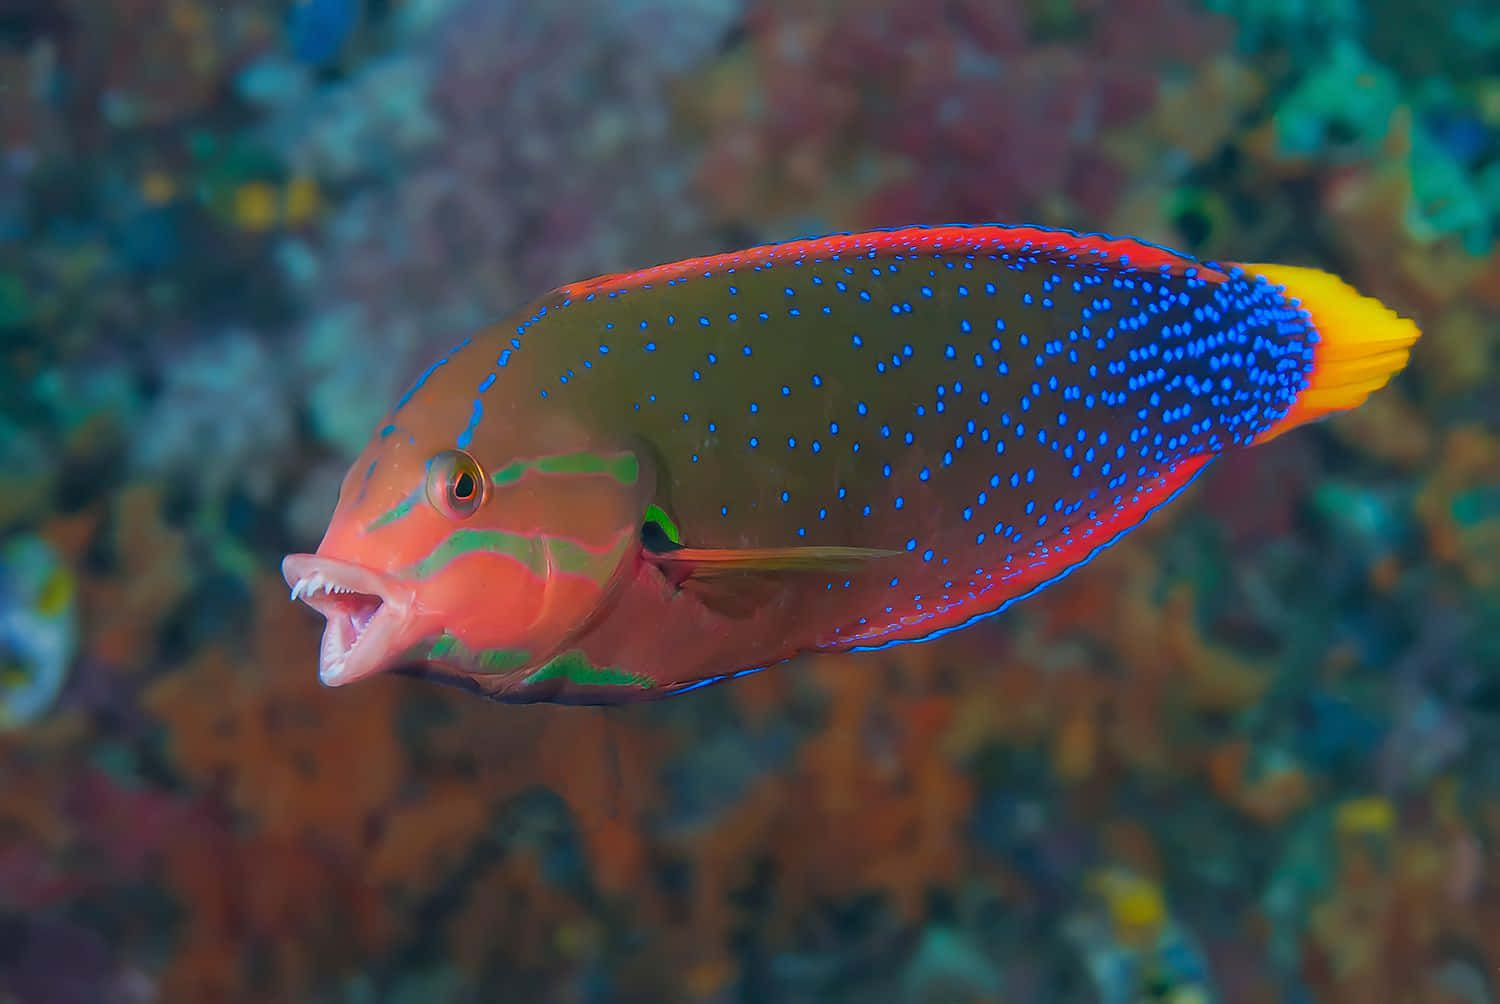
(445, 646)
(525, 549)
(448, 648)
(575, 559)
(575, 668)
(502, 660)
(395, 512)
(510, 473)
(533, 551)
(622, 467)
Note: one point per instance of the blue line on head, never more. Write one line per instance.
(425, 374)
(467, 436)
(364, 485)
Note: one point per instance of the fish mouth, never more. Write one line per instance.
(365, 610)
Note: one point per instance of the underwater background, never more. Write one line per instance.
(1252, 755)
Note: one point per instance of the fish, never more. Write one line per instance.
(38, 629)
(648, 482)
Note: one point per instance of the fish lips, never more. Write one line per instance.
(369, 615)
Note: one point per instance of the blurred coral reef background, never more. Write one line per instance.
(1252, 756)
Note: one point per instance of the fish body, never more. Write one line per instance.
(652, 481)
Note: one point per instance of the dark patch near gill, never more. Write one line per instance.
(654, 539)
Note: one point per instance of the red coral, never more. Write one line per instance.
(958, 110)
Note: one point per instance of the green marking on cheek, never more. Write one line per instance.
(623, 467)
(445, 646)
(574, 667)
(394, 513)
(575, 559)
(501, 660)
(510, 473)
(568, 556)
(527, 550)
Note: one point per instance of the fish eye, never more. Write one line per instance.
(455, 484)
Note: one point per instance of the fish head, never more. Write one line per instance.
(471, 538)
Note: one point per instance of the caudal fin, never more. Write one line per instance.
(1362, 343)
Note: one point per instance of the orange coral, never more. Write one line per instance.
(334, 815)
(514, 914)
(295, 756)
(1406, 913)
(121, 610)
(1464, 480)
(1054, 688)
(872, 803)
(1270, 799)
(308, 913)
(601, 762)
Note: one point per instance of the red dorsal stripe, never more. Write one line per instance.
(1121, 252)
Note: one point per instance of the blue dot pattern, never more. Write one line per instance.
(995, 404)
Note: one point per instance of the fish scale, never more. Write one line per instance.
(653, 481)
(976, 408)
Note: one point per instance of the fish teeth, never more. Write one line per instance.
(311, 585)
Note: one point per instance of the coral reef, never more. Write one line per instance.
(1253, 755)
(874, 114)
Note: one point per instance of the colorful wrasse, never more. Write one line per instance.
(652, 481)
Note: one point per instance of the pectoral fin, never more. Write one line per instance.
(714, 562)
(736, 582)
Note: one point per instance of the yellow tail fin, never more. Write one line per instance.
(1362, 343)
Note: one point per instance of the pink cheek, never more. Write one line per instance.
(485, 602)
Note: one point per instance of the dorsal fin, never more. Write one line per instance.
(1127, 253)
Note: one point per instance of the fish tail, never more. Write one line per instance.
(1361, 345)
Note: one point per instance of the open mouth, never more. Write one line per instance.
(364, 610)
